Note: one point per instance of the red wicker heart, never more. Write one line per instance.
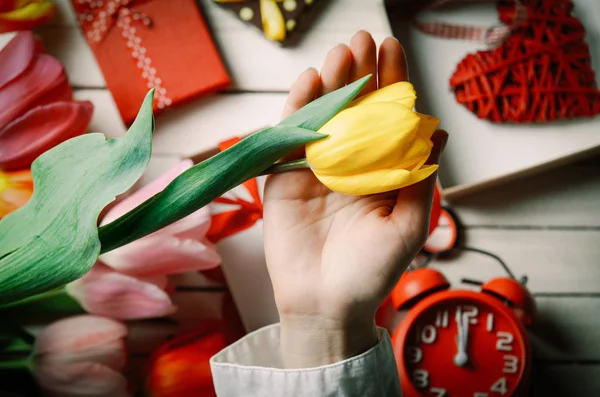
(542, 72)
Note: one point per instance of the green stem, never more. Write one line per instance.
(201, 184)
(44, 307)
(204, 182)
(36, 298)
(300, 164)
(17, 363)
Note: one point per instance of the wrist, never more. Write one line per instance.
(308, 341)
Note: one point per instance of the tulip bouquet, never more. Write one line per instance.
(370, 145)
(374, 144)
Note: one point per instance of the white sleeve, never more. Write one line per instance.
(252, 367)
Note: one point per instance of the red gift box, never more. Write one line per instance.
(143, 44)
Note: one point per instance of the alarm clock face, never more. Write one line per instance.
(461, 344)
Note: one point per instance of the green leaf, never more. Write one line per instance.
(53, 239)
(208, 180)
(201, 184)
(318, 112)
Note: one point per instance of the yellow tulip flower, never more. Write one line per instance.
(376, 144)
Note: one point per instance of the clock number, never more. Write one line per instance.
(478, 394)
(415, 354)
(421, 378)
(428, 334)
(441, 319)
(470, 312)
(438, 391)
(490, 322)
(511, 364)
(504, 341)
(500, 386)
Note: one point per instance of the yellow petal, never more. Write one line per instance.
(374, 182)
(272, 19)
(363, 138)
(402, 92)
(427, 125)
(415, 156)
(30, 11)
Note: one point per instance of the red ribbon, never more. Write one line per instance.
(493, 35)
(228, 223)
(97, 18)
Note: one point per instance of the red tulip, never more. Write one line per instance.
(36, 108)
(24, 14)
(181, 367)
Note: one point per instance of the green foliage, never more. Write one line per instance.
(53, 239)
(208, 180)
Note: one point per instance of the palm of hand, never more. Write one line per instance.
(345, 250)
(334, 256)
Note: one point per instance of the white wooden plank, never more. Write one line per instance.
(566, 329)
(567, 196)
(480, 153)
(106, 118)
(556, 261)
(200, 125)
(69, 46)
(196, 126)
(193, 307)
(255, 63)
(566, 380)
(146, 336)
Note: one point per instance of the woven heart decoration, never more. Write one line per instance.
(541, 72)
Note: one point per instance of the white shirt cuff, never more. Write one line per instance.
(253, 366)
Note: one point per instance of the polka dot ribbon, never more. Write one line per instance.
(99, 16)
(493, 35)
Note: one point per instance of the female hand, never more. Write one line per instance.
(333, 258)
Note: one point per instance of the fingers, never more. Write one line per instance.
(413, 207)
(345, 64)
(335, 70)
(364, 56)
(303, 91)
(392, 65)
(439, 140)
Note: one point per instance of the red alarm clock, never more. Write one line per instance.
(462, 343)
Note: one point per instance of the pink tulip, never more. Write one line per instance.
(81, 356)
(106, 292)
(179, 247)
(37, 111)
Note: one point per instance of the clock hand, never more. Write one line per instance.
(462, 323)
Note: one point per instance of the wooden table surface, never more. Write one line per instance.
(546, 226)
